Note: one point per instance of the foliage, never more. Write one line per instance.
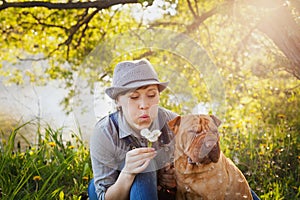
(261, 119)
(63, 38)
(261, 134)
(54, 169)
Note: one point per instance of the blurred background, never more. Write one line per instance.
(237, 59)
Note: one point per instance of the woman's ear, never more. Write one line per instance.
(117, 103)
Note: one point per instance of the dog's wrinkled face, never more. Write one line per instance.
(197, 137)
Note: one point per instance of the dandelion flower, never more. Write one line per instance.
(52, 144)
(71, 147)
(150, 136)
(31, 153)
(145, 133)
(281, 116)
(37, 178)
(22, 155)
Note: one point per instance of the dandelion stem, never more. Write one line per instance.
(36, 186)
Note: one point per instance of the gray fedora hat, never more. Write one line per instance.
(130, 75)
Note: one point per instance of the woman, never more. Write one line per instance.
(123, 164)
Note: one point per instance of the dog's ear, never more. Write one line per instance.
(216, 120)
(174, 123)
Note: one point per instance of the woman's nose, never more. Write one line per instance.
(143, 104)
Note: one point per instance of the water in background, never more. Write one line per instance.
(41, 106)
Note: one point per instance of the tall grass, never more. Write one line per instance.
(53, 169)
(267, 153)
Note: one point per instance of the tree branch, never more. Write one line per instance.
(200, 19)
(281, 28)
(100, 4)
(41, 22)
(191, 8)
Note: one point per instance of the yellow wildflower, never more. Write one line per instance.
(248, 120)
(71, 147)
(281, 116)
(239, 125)
(252, 111)
(52, 144)
(225, 126)
(260, 153)
(22, 154)
(31, 153)
(37, 178)
(85, 178)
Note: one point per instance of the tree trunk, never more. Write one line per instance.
(280, 26)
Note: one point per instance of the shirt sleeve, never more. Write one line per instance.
(104, 152)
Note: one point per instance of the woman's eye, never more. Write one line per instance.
(134, 97)
(151, 95)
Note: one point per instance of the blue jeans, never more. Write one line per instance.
(144, 187)
(254, 195)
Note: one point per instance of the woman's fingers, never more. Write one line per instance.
(143, 166)
(138, 159)
(140, 153)
(142, 150)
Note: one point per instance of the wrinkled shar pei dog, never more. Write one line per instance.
(202, 171)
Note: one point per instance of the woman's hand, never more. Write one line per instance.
(138, 159)
(166, 176)
(135, 162)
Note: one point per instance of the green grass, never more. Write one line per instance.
(267, 153)
(53, 169)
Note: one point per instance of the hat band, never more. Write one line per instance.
(150, 79)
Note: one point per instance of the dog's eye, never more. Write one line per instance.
(192, 132)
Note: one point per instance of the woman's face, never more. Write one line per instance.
(140, 107)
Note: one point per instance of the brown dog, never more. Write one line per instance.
(202, 170)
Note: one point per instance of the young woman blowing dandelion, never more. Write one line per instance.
(131, 147)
